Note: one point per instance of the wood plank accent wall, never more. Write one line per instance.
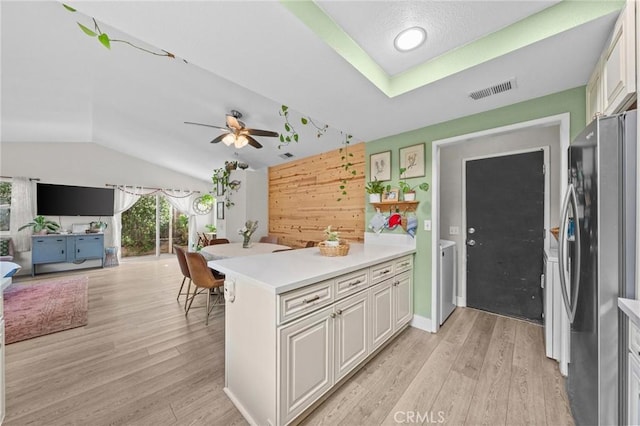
(303, 198)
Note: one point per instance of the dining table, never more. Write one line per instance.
(224, 251)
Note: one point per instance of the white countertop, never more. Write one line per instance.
(288, 270)
(631, 307)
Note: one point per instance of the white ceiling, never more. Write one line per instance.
(59, 85)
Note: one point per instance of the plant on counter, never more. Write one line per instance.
(374, 188)
(249, 228)
(41, 225)
(408, 191)
(332, 237)
(211, 228)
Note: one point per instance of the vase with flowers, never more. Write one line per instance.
(246, 231)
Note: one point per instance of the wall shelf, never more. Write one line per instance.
(399, 206)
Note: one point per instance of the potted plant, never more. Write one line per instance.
(98, 226)
(211, 228)
(375, 189)
(41, 225)
(332, 237)
(409, 192)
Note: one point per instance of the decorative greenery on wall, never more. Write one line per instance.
(106, 41)
(222, 183)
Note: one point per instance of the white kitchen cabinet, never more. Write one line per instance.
(556, 321)
(381, 313)
(351, 331)
(619, 63)
(306, 362)
(595, 104)
(402, 300)
(633, 378)
(293, 334)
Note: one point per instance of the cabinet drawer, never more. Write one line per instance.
(299, 302)
(381, 272)
(351, 283)
(634, 339)
(403, 264)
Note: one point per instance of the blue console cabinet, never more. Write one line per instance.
(66, 248)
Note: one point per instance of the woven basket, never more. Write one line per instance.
(340, 250)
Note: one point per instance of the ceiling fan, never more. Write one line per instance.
(237, 134)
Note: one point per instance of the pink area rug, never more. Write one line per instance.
(39, 308)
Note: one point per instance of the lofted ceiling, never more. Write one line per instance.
(332, 61)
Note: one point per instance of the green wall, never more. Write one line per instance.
(571, 101)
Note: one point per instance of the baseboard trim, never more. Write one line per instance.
(422, 323)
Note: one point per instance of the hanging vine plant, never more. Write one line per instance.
(290, 134)
(106, 41)
(222, 183)
(347, 165)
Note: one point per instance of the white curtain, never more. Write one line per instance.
(183, 202)
(22, 211)
(124, 198)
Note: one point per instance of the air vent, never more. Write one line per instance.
(494, 90)
(286, 155)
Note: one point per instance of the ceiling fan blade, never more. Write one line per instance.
(205, 125)
(258, 132)
(233, 122)
(254, 143)
(219, 138)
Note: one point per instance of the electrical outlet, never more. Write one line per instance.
(427, 225)
(454, 230)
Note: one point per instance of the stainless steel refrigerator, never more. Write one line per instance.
(597, 264)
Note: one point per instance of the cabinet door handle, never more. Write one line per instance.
(333, 315)
(339, 311)
(316, 297)
(354, 283)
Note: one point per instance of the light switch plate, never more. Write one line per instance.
(454, 230)
(427, 225)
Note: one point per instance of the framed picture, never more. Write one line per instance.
(219, 188)
(380, 166)
(391, 196)
(220, 209)
(412, 159)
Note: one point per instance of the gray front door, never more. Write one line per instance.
(505, 234)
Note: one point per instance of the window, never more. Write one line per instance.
(5, 206)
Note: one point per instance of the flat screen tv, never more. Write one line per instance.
(65, 200)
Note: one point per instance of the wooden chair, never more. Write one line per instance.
(310, 244)
(273, 239)
(202, 240)
(204, 281)
(218, 241)
(184, 268)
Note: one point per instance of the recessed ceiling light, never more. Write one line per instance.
(410, 38)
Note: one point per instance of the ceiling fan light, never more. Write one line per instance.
(229, 139)
(241, 141)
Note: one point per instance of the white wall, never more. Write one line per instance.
(250, 203)
(90, 164)
(451, 173)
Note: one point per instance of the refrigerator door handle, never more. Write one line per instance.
(578, 251)
(562, 258)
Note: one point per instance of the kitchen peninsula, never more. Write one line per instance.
(297, 323)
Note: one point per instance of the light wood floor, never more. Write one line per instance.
(140, 362)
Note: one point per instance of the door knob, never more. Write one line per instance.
(471, 230)
(471, 243)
